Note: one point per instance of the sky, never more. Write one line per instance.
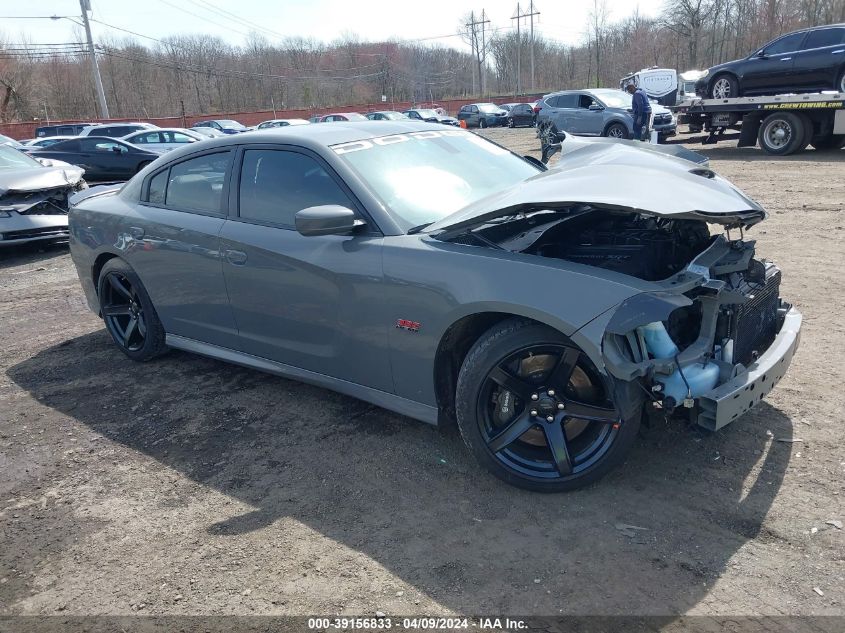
(562, 20)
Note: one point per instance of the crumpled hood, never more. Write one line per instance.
(37, 178)
(618, 177)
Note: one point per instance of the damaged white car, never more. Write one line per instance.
(34, 197)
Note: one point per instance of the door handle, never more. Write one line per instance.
(136, 231)
(236, 258)
(785, 59)
(839, 52)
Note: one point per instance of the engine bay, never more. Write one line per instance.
(639, 245)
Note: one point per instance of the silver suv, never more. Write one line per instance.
(599, 112)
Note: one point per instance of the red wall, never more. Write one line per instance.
(26, 129)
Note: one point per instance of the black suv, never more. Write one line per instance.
(804, 61)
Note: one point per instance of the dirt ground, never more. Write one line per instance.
(189, 486)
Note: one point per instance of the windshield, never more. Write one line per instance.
(613, 99)
(488, 107)
(423, 177)
(354, 116)
(394, 116)
(11, 158)
(427, 114)
(232, 124)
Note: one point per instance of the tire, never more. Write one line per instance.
(840, 85)
(511, 123)
(142, 165)
(828, 142)
(724, 87)
(482, 123)
(616, 130)
(128, 313)
(512, 435)
(781, 133)
(807, 122)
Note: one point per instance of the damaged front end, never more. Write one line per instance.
(715, 339)
(703, 329)
(34, 205)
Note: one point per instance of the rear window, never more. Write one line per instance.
(195, 184)
(825, 37)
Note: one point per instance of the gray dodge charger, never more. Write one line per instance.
(436, 274)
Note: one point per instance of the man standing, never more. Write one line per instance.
(642, 111)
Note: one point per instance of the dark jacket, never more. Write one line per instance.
(640, 104)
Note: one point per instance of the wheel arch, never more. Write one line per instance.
(723, 73)
(457, 340)
(97, 268)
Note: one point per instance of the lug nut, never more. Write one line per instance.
(534, 412)
(552, 393)
(534, 396)
(561, 406)
(550, 419)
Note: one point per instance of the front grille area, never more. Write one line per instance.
(755, 322)
(662, 119)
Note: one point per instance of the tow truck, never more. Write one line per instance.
(782, 124)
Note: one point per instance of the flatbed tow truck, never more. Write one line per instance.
(782, 124)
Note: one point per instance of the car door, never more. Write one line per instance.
(771, 70)
(314, 303)
(819, 64)
(110, 160)
(174, 246)
(564, 108)
(585, 121)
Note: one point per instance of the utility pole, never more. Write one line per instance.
(85, 5)
(518, 18)
(479, 52)
(532, 11)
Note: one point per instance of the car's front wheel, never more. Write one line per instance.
(128, 312)
(724, 87)
(511, 123)
(840, 85)
(482, 123)
(536, 413)
(616, 130)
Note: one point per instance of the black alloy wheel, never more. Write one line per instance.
(128, 313)
(540, 416)
(123, 313)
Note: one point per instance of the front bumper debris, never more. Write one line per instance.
(728, 401)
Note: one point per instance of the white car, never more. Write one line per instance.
(163, 139)
(44, 141)
(208, 132)
(280, 123)
(116, 130)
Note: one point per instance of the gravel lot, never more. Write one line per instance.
(188, 486)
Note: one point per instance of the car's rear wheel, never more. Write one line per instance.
(128, 313)
(616, 130)
(781, 133)
(536, 413)
(831, 141)
(724, 87)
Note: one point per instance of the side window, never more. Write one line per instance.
(197, 183)
(93, 145)
(585, 101)
(275, 184)
(825, 37)
(66, 130)
(567, 101)
(177, 137)
(158, 187)
(785, 44)
(473, 109)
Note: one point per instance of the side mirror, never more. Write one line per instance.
(117, 149)
(329, 219)
(595, 107)
(762, 55)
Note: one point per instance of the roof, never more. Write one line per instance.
(325, 135)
